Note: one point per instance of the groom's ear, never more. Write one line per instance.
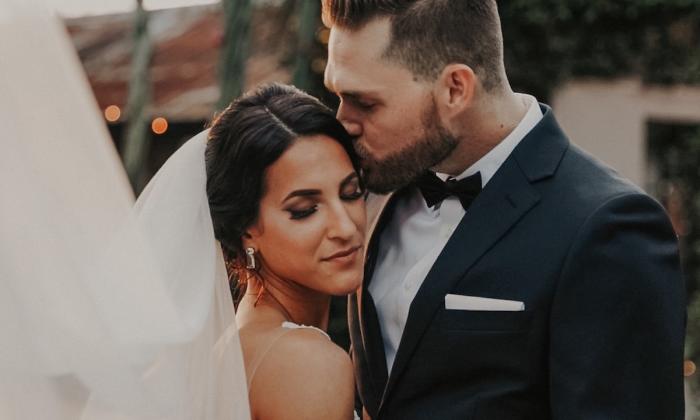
(456, 87)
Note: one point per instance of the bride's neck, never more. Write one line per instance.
(288, 300)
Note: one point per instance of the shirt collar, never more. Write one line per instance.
(490, 162)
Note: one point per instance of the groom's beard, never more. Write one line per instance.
(399, 169)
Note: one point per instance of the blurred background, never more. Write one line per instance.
(623, 77)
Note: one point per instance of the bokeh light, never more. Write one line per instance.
(159, 125)
(323, 35)
(112, 113)
(318, 65)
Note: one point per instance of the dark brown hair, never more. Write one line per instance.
(244, 140)
(427, 35)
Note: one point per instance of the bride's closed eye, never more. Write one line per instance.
(301, 203)
(351, 189)
(297, 214)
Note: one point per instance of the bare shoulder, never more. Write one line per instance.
(304, 376)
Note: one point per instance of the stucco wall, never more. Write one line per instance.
(608, 119)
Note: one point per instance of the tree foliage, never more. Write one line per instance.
(550, 41)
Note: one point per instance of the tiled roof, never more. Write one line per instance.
(185, 56)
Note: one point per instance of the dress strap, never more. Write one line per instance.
(261, 356)
(286, 327)
(292, 325)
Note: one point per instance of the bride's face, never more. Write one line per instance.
(310, 228)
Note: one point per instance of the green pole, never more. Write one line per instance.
(136, 145)
(234, 52)
(308, 12)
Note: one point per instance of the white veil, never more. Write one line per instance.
(107, 311)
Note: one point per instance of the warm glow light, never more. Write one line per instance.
(688, 368)
(159, 125)
(112, 113)
(323, 35)
(318, 65)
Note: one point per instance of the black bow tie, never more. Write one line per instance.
(435, 190)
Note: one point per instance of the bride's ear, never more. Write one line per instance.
(248, 239)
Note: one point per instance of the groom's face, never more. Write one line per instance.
(391, 113)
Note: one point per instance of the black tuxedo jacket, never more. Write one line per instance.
(595, 262)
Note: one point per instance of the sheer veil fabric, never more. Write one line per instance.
(107, 310)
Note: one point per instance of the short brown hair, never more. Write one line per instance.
(427, 35)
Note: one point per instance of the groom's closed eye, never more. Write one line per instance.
(362, 104)
(357, 101)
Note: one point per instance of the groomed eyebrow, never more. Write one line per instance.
(352, 94)
(355, 96)
(301, 193)
(311, 192)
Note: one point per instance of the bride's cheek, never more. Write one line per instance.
(360, 215)
(303, 238)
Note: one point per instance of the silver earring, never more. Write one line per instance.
(250, 262)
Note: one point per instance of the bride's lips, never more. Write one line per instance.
(344, 255)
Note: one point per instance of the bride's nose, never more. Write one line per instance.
(340, 223)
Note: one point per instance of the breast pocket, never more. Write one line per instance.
(486, 321)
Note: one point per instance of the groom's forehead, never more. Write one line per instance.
(343, 75)
(353, 80)
(359, 45)
(354, 60)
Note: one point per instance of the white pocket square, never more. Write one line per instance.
(473, 303)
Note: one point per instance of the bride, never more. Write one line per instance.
(287, 205)
(109, 312)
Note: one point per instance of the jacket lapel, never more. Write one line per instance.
(503, 202)
(379, 211)
(378, 214)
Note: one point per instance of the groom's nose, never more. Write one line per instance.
(353, 127)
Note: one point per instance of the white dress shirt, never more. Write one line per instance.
(415, 236)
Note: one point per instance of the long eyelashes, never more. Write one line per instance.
(351, 190)
(354, 196)
(302, 214)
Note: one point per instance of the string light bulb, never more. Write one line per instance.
(159, 125)
(112, 113)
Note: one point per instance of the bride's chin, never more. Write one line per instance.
(345, 288)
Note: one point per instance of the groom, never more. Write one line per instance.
(509, 274)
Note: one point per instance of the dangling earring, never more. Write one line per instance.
(250, 262)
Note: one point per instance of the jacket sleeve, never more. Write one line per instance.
(618, 317)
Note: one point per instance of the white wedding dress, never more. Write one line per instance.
(106, 313)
